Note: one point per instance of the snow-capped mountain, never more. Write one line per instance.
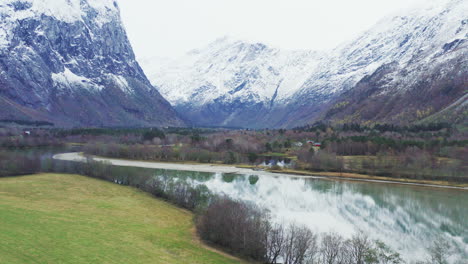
(401, 60)
(231, 82)
(70, 62)
(231, 69)
(235, 83)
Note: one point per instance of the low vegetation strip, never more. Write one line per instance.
(58, 218)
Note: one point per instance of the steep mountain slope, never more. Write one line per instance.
(429, 74)
(70, 62)
(433, 90)
(233, 83)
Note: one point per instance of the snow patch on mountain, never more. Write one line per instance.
(121, 83)
(4, 38)
(67, 79)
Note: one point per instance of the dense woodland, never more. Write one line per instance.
(426, 152)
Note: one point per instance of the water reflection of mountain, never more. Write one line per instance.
(405, 217)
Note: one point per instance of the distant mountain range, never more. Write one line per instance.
(69, 62)
(411, 67)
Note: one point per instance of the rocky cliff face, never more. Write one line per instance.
(233, 83)
(70, 62)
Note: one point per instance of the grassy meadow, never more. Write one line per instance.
(56, 218)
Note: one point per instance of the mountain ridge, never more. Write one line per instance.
(253, 85)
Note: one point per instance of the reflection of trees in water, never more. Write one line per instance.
(228, 177)
(324, 186)
(253, 179)
(184, 175)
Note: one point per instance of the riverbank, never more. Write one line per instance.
(218, 168)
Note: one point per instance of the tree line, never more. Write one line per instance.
(356, 127)
(426, 152)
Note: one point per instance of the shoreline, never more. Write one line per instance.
(216, 168)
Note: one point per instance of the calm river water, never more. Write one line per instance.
(407, 218)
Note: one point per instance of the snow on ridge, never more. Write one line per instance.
(69, 80)
(108, 10)
(68, 11)
(446, 13)
(403, 37)
(231, 69)
(219, 71)
(71, 11)
(121, 82)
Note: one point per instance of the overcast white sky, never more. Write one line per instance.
(168, 28)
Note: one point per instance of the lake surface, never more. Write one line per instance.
(407, 218)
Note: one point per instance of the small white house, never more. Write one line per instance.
(298, 144)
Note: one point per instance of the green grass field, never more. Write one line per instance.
(53, 218)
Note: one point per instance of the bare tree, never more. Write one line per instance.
(313, 251)
(235, 225)
(331, 248)
(358, 248)
(300, 244)
(275, 240)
